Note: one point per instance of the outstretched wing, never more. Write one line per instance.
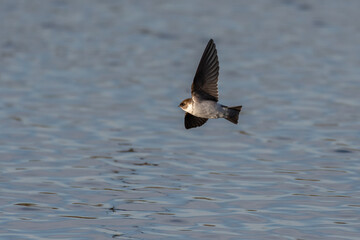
(191, 121)
(205, 81)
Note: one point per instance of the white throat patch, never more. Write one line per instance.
(188, 108)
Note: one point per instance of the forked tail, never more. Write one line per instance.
(233, 114)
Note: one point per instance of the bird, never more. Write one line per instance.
(203, 103)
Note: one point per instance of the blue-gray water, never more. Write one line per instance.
(93, 145)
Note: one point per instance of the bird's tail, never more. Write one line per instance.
(233, 114)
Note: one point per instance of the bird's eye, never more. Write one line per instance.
(182, 104)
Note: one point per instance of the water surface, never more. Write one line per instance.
(93, 145)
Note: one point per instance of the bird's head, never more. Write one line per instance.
(185, 105)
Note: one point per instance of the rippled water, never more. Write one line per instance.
(93, 145)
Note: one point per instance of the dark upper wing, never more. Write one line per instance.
(205, 81)
(191, 121)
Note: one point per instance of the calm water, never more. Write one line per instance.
(92, 144)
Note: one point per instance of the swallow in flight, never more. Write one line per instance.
(203, 103)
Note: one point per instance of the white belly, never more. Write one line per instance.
(207, 109)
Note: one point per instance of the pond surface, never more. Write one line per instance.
(93, 146)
